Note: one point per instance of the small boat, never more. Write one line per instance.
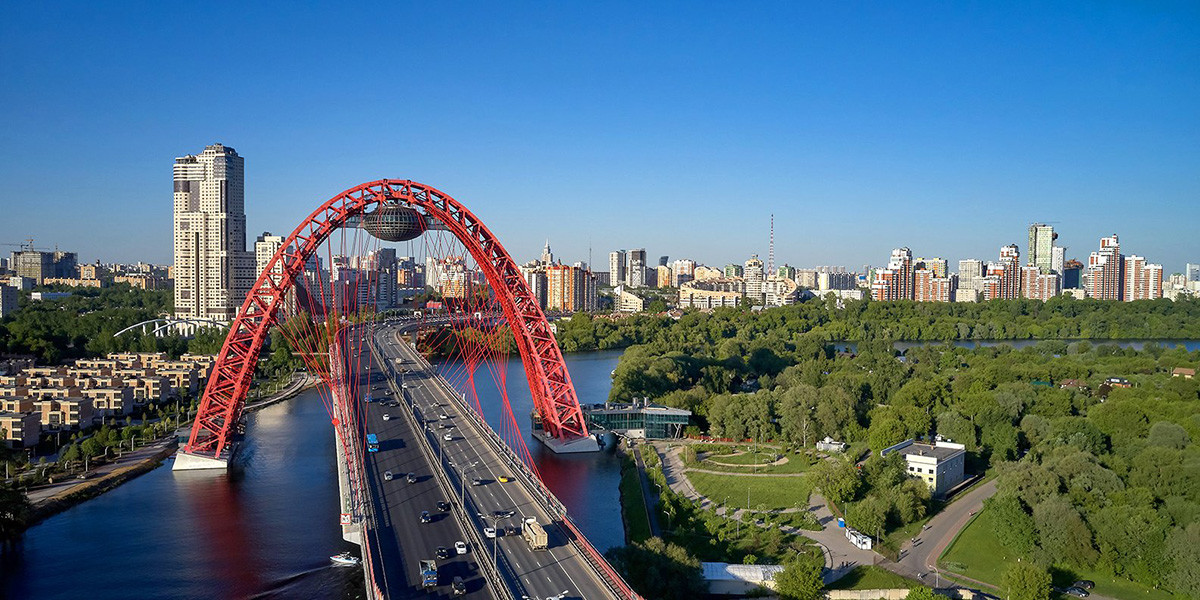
(345, 559)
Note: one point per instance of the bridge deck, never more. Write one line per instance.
(469, 455)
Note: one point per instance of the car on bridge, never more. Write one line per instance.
(411, 477)
(504, 479)
(448, 437)
(443, 552)
(387, 475)
(489, 532)
(443, 506)
(387, 417)
(477, 481)
(460, 547)
(425, 518)
(443, 416)
(458, 587)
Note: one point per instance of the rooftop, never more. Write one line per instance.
(612, 409)
(941, 451)
(715, 571)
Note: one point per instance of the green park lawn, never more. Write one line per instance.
(870, 577)
(977, 554)
(637, 523)
(769, 492)
(752, 462)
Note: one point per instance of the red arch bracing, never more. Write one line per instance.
(550, 384)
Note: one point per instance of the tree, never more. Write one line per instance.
(868, 515)
(1183, 546)
(657, 569)
(800, 579)
(1026, 581)
(921, 593)
(69, 454)
(838, 479)
(1168, 435)
(1062, 534)
(14, 511)
(1012, 524)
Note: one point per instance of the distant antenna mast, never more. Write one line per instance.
(771, 251)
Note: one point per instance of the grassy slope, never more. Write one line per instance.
(772, 492)
(868, 577)
(978, 555)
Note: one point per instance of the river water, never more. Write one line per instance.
(267, 530)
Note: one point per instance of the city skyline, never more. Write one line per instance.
(983, 122)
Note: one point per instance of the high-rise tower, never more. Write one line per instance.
(1041, 247)
(213, 270)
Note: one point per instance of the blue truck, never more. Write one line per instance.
(372, 443)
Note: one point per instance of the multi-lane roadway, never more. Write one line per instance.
(417, 403)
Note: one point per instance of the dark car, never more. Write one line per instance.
(458, 587)
(1084, 584)
(443, 506)
(425, 518)
(1077, 592)
(443, 552)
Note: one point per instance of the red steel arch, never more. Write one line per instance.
(549, 382)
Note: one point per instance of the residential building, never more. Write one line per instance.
(732, 270)
(1105, 271)
(570, 288)
(937, 265)
(807, 278)
(705, 273)
(786, 271)
(754, 279)
(829, 280)
(939, 465)
(663, 277)
(1058, 259)
(213, 271)
(780, 291)
(712, 293)
(1192, 272)
(1041, 247)
(896, 281)
(1142, 281)
(8, 301)
(1072, 272)
(626, 302)
(635, 269)
(616, 268)
(682, 270)
(1037, 285)
(20, 429)
(928, 287)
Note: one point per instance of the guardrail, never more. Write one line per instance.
(537, 489)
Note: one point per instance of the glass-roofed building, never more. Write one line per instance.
(649, 421)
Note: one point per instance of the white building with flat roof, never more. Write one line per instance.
(939, 465)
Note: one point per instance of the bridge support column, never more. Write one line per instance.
(195, 462)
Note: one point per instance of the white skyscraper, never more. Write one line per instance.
(616, 268)
(213, 270)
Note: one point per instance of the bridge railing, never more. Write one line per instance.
(359, 504)
(550, 502)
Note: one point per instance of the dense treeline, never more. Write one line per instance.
(83, 324)
(1059, 318)
(1091, 477)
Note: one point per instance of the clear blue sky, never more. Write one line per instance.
(679, 127)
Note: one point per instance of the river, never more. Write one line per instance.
(266, 530)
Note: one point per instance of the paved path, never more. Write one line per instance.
(43, 493)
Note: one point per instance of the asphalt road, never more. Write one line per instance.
(560, 571)
(402, 539)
